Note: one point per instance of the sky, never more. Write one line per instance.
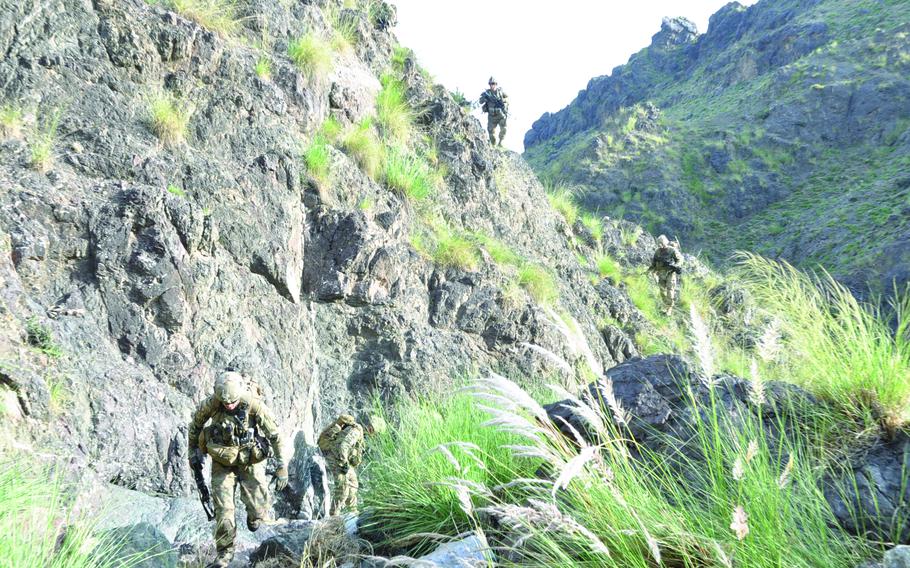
(542, 52)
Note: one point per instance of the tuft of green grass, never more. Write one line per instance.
(499, 251)
(453, 250)
(41, 338)
(36, 500)
(400, 55)
(393, 114)
(263, 68)
(41, 146)
(169, 118)
(539, 283)
(835, 346)
(644, 294)
(312, 55)
(593, 223)
(176, 190)
(366, 204)
(318, 161)
(331, 129)
(562, 200)
(217, 15)
(409, 466)
(361, 143)
(10, 122)
(345, 34)
(407, 175)
(607, 267)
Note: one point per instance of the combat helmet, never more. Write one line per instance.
(229, 387)
(492, 81)
(374, 424)
(663, 240)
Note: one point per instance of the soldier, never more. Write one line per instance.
(495, 103)
(342, 444)
(667, 264)
(239, 438)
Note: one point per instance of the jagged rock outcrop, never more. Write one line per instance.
(781, 130)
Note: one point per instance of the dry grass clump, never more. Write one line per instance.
(169, 118)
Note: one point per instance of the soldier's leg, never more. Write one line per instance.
(673, 288)
(662, 283)
(254, 492)
(491, 127)
(223, 481)
(339, 492)
(353, 485)
(502, 129)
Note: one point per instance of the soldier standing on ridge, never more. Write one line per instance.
(495, 103)
(342, 444)
(667, 263)
(239, 438)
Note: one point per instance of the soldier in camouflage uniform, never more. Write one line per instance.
(342, 443)
(667, 263)
(240, 434)
(495, 103)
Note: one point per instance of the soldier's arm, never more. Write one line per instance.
(269, 428)
(200, 417)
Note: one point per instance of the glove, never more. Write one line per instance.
(281, 478)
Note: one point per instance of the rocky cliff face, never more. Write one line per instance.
(135, 267)
(782, 129)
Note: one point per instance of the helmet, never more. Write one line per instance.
(229, 387)
(345, 420)
(374, 423)
(492, 81)
(663, 240)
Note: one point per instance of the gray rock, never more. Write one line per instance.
(142, 541)
(898, 557)
(469, 552)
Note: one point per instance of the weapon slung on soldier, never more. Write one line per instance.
(204, 494)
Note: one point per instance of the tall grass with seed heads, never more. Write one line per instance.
(832, 344)
(416, 472)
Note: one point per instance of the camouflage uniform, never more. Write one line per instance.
(495, 103)
(667, 264)
(342, 444)
(236, 442)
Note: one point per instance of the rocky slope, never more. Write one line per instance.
(783, 129)
(134, 267)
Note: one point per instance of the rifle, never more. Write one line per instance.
(204, 495)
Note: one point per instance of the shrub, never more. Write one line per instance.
(312, 55)
(538, 282)
(394, 116)
(318, 160)
(837, 347)
(408, 469)
(169, 118)
(264, 68)
(362, 144)
(562, 200)
(41, 146)
(217, 15)
(40, 337)
(10, 122)
(407, 175)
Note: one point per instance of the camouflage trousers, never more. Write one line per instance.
(344, 490)
(495, 119)
(254, 492)
(668, 282)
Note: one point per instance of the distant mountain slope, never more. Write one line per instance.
(783, 129)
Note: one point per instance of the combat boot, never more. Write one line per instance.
(223, 560)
